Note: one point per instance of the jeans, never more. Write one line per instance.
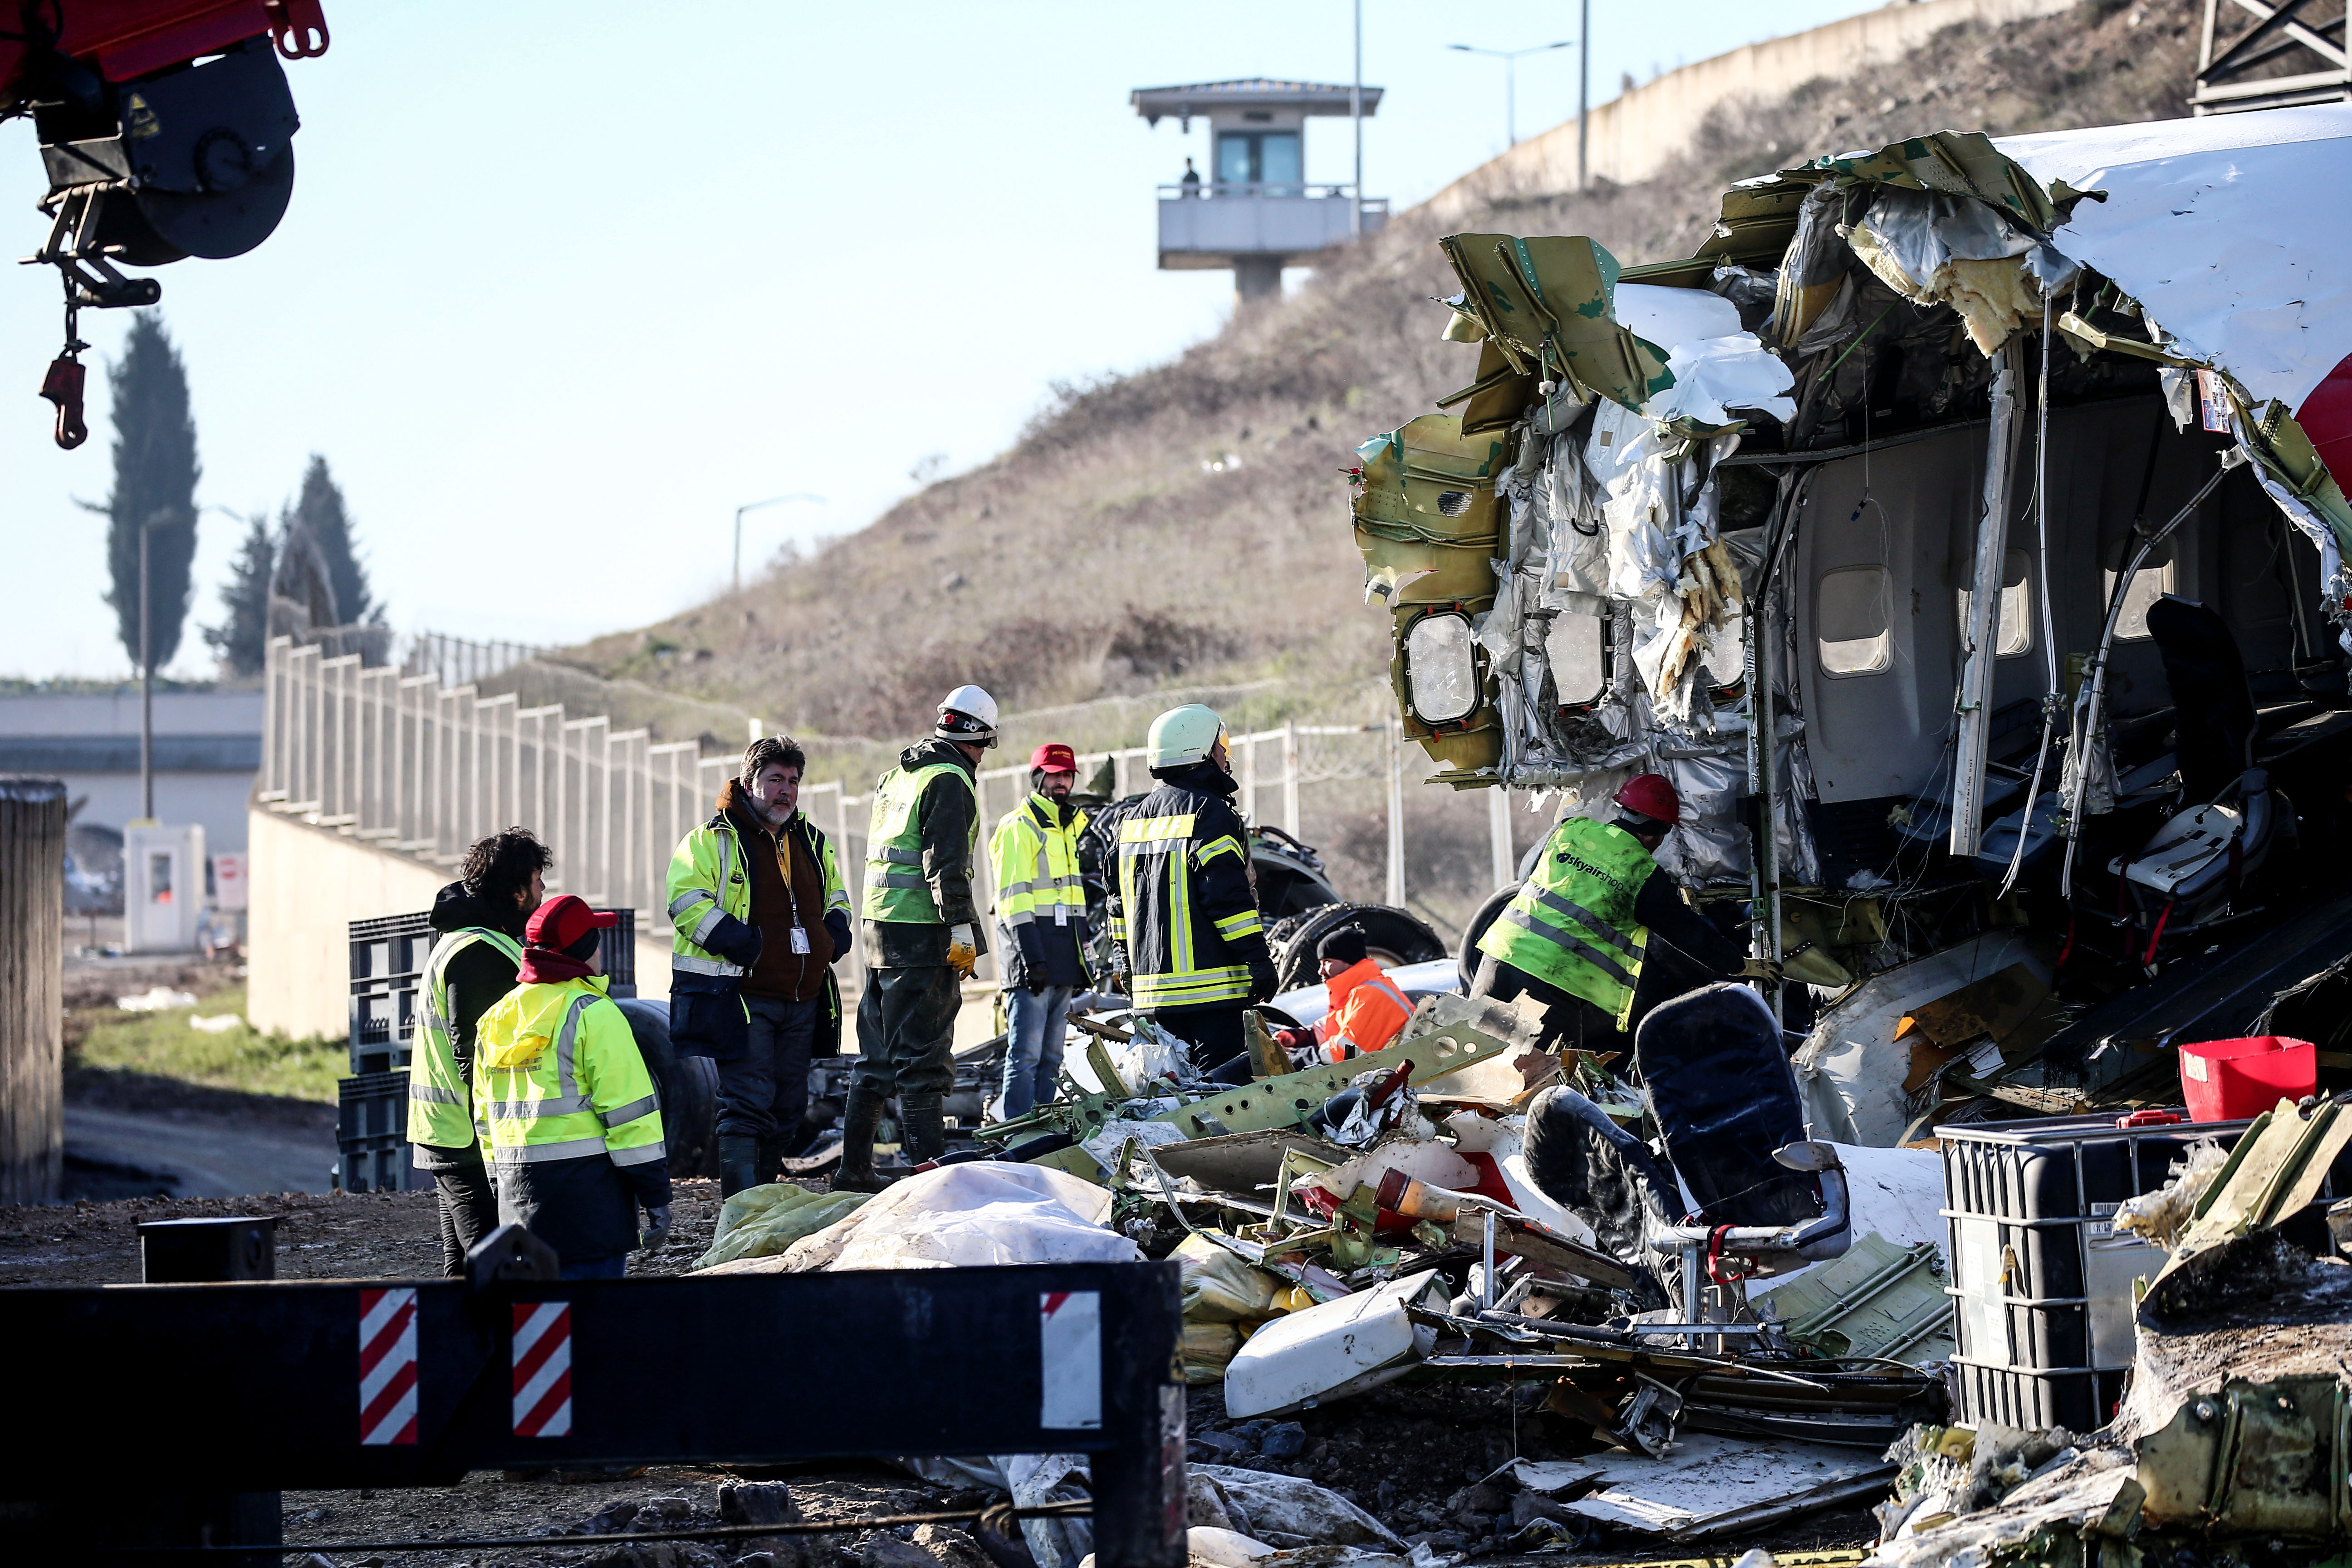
(469, 1210)
(596, 1268)
(764, 1092)
(1032, 1048)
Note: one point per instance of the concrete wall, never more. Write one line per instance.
(308, 884)
(1635, 135)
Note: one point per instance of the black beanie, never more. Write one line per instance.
(1346, 944)
(585, 946)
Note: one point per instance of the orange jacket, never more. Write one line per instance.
(1367, 1011)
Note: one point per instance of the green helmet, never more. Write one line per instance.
(1181, 735)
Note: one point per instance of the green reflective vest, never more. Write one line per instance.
(557, 1076)
(708, 879)
(1572, 923)
(1035, 861)
(895, 886)
(439, 1112)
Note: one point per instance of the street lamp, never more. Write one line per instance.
(163, 517)
(1510, 59)
(754, 506)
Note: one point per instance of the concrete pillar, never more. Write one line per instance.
(1257, 278)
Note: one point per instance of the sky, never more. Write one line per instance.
(562, 285)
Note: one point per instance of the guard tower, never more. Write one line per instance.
(1252, 210)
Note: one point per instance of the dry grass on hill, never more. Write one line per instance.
(1189, 520)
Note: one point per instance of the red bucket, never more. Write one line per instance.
(2229, 1081)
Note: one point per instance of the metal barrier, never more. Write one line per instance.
(213, 1393)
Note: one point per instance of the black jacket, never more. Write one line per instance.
(1183, 909)
(479, 976)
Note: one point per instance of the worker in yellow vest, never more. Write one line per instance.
(923, 936)
(568, 1112)
(1597, 932)
(1041, 915)
(480, 917)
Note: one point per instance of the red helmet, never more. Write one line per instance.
(1652, 796)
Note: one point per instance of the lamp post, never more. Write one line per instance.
(163, 518)
(754, 506)
(1356, 121)
(1583, 86)
(1510, 59)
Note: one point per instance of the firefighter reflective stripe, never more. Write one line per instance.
(896, 889)
(1240, 925)
(439, 1114)
(1572, 924)
(1177, 953)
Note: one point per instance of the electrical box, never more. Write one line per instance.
(163, 887)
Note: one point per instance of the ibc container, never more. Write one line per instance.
(372, 1133)
(2042, 1280)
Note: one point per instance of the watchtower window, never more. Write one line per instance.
(1266, 158)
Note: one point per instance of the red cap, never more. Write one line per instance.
(1652, 796)
(1054, 758)
(564, 920)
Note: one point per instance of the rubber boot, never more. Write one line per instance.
(924, 1120)
(859, 1118)
(771, 1166)
(739, 1160)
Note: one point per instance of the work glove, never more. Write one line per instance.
(1760, 969)
(1264, 983)
(964, 949)
(1294, 1039)
(735, 941)
(656, 1229)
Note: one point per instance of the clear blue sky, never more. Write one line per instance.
(562, 284)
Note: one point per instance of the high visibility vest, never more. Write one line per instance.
(708, 878)
(1572, 923)
(895, 888)
(1177, 949)
(440, 1112)
(557, 1076)
(1035, 861)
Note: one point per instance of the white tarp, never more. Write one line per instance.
(2233, 230)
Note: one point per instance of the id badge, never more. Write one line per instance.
(800, 940)
(1061, 914)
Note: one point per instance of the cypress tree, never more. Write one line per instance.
(321, 505)
(241, 642)
(155, 474)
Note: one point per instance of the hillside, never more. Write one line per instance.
(1188, 523)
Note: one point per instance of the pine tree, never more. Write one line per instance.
(155, 474)
(241, 642)
(321, 505)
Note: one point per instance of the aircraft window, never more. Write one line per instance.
(1574, 649)
(1440, 669)
(1851, 620)
(2013, 616)
(2151, 584)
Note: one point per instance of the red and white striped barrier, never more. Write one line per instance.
(542, 1369)
(387, 1367)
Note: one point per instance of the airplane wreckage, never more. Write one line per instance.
(1972, 511)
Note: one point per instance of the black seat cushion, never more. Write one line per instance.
(1718, 1085)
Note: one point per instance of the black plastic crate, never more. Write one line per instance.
(2042, 1280)
(388, 958)
(372, 1134)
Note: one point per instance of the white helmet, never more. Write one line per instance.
(1182, 735)
(968, 714)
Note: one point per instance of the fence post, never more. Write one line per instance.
(1290, 777)
(1392, 737)
(1506, 854)
(1249, 779)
